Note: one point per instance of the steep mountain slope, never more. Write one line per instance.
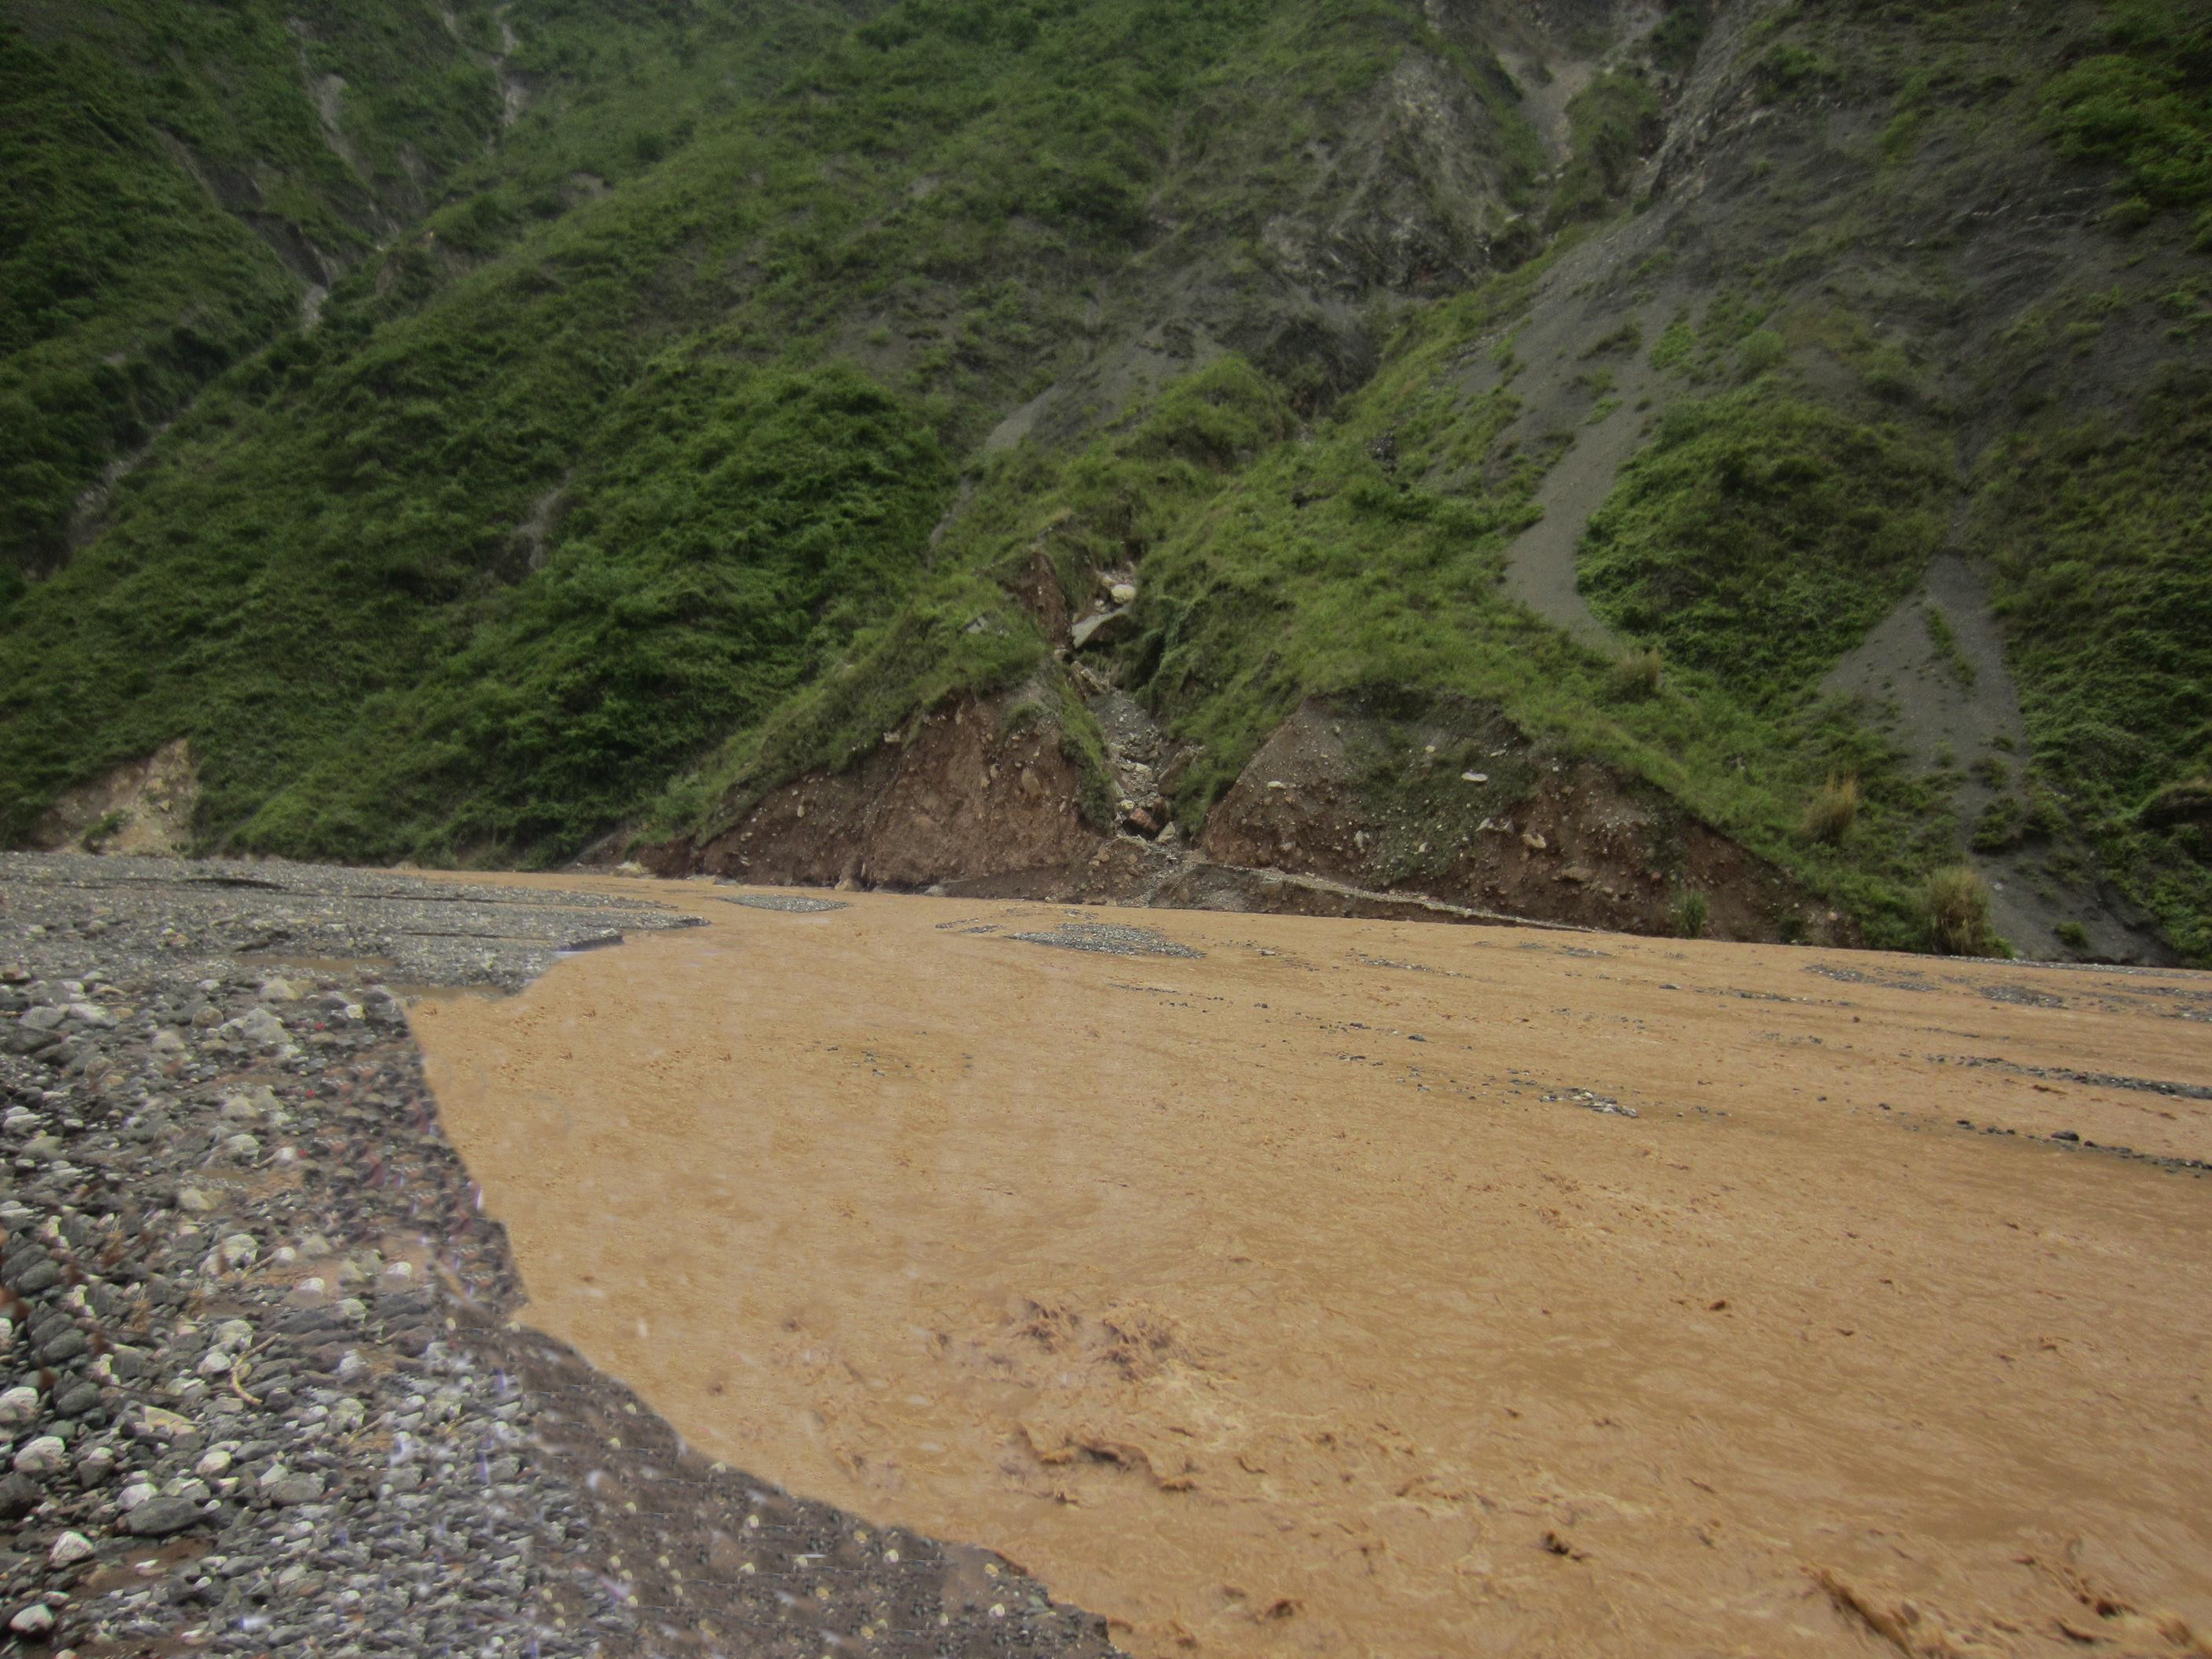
(1786, 420)
(189, 181)
(182, 177)
(1821, 336)
(899, 243)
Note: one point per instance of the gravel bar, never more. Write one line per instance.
(264, 1377)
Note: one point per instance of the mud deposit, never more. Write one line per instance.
(1355, 1288)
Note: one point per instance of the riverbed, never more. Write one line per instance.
(1274, 1285)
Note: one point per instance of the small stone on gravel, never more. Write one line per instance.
(71, 1548)
(157, 1517)
(37, 1619)
(47, 1454)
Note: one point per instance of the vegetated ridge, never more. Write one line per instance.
(1734, 467)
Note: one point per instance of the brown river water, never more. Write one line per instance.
(1318, 1293)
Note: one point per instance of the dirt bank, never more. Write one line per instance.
(962, 795)
(1277, 1287)
(1432, 805)
(1455, 803)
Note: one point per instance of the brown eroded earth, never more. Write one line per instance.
(1318, 1293)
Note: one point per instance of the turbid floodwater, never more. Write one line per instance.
(1275, 1285)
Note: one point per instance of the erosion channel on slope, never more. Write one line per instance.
(1276, 1285)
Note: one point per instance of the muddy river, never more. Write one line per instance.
(1279, 1287)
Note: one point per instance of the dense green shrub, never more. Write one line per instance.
(1760, 537)
(2146, 104)
(1955, 908)
(728, 532)
(1637, 675)
(1832, 811)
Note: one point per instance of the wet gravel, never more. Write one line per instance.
(405, 931)
(792, 903)
(267, 1384)
(1109, 938)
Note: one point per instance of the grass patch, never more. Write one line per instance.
(1943, 639)
(2003, 826)
(1832, 811)
(1954, 910)
(1637, 676)
(1689, 913)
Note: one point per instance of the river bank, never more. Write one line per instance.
(266, 1370)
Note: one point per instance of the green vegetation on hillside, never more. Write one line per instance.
(165, 161)
(348, 513)
(1759, 537)
(1766, 528)
(2146, 103)
(643, 457)
(183, 172)
(1322, 570)
(732, 526)
(2100, 534)
(1116, 501)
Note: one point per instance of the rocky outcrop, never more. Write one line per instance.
(145, 806)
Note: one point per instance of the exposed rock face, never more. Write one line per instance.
(145, 806)
(1103, 628)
